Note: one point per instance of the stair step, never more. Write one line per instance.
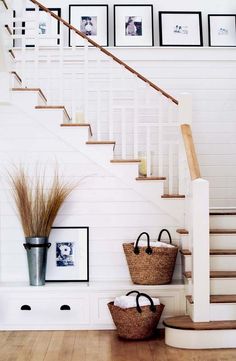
(78, 125)
(217, 299)
(223, 213)
(150, 178)
(182, 231)
(101, 142)
(125, 161)
(215, 252)
(7, 27)
(54, 107)
(185, 323)
(215, 274)
(180, 196)
(31, 90)
(17, 76)
(222, 231)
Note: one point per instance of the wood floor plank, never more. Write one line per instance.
(40, 346)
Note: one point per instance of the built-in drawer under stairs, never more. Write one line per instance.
(220, 331)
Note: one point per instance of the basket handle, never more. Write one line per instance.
(129, 293)
(160, 234)
(148, 249)
(152, 306)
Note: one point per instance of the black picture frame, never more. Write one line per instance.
(141, 32)
(80, 14)
(180, 28)
(44, 41)
(222, 30)
(68, 256)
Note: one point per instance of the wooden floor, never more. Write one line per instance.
(96, 346)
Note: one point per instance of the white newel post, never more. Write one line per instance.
(200, 250)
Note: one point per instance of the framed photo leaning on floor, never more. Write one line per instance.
(222, 29)
(180, 28)
(133, 25)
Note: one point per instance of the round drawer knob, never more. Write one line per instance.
(65, 308)
(25, 308)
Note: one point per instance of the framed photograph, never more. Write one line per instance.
(68, 256)
(133, 25)
(180, 28)
(48, 28)
(222, 29)
(91, 20)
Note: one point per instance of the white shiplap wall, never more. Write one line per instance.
(114, 212)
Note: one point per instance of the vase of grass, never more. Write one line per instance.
(37, 204)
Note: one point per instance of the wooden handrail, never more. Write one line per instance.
(193, 164)
(105, 51)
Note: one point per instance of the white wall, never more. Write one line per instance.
(205, 6)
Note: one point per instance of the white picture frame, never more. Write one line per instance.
(222, 30)
(180, 28)
(91, 20)
(133, 25)
(68, 256)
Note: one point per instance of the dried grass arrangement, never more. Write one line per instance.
(37, 203)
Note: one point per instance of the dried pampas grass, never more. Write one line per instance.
(38, 205)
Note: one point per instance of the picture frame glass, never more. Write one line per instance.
(68, 257)
(91, 20)
(133, 25)
(48, 27)
(222, 30)
(180, 29)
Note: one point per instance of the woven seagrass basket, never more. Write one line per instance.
(150, 266)
(136, 323)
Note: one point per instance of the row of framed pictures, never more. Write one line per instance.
(133, 26)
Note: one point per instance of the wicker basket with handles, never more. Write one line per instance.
(136, 323)
(151, 265)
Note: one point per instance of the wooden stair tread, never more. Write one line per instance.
(78, 125)
(182, 231)
(223, 231)
(185, 323)
(217, 299)
(215, 274)
(7, 27)
(101, 142)
(150, 178)
(125, 160)
(173, 196)
(213, 252)
(17, 76)
(31, 90)
(12, 53)
(223, 213)
(53, 107)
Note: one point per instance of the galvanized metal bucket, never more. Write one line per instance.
(37, 248)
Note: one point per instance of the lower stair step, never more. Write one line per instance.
(216, 274)
(217, 299)
(182, 332)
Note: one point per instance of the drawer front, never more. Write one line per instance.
(30, 311)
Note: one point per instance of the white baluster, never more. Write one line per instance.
(110, 100)
(135, 122)
(148, 151)
(160, 137)
(170, 168)
(86, 80)
(123, 134)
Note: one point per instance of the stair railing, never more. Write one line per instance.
(197, 220)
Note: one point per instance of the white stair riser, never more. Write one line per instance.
(218, 286)
(54, 116)
(106, 150)
(126, 169)
(223, 241)
(27, 99)
(191, 339)
(223, 221)
(222, 311)
(16, 83)
(217, 263)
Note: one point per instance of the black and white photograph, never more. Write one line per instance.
(47, 27)
(68, 256)
(65, 254)
(133, 25)
(91, 20)
(180, 28)
(222, 29)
